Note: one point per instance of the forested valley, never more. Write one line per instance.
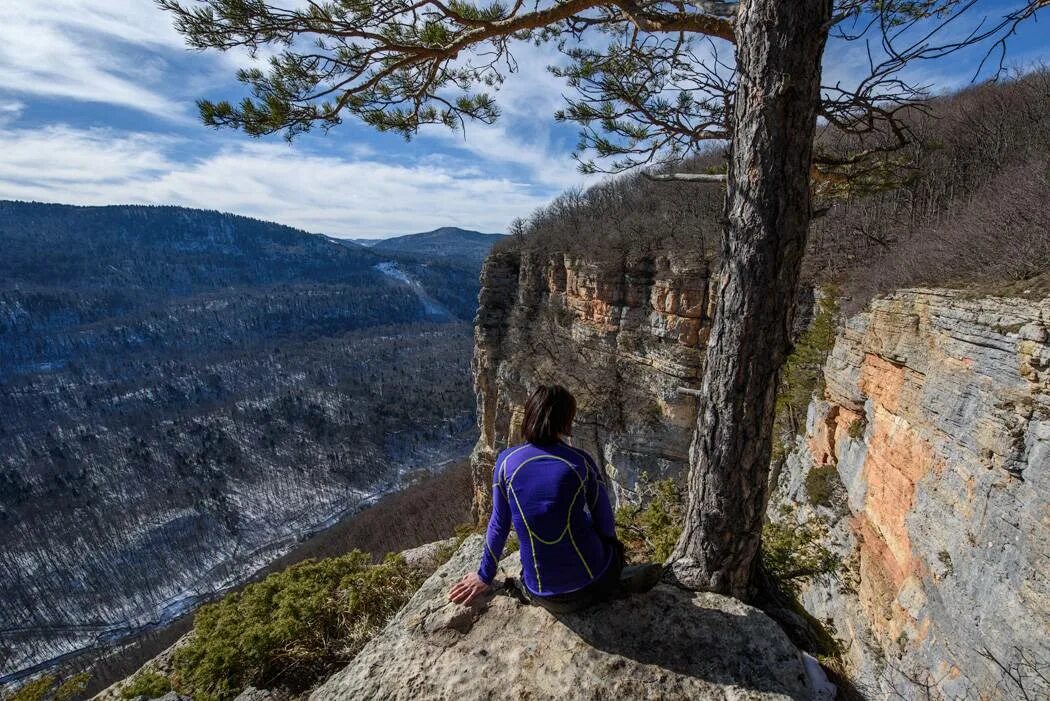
(184, 395)
(184, 400)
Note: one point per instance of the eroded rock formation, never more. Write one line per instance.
(936, 419)
(622, 333)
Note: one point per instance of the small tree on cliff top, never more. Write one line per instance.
(672, 76)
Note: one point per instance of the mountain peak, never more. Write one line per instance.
(446, 241)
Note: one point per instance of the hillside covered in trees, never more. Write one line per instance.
(185, 394)
(963, 204)
(448, 241)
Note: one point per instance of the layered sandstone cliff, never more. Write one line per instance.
(936, 419)
(623, 333)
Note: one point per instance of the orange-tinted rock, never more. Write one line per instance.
(947, 476)
(623, 334)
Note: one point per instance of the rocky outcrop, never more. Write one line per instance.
(935, 422)
(623, 333)
(936, 419)
(666, 644)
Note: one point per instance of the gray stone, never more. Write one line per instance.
(946, 526)
(666, 644)
(425, 557)
(253, 694)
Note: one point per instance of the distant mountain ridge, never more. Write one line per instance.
(123, 251)
(449, 242)
(175, 248)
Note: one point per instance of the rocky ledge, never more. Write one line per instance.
(666, 644)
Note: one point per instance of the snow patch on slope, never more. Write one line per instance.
(434, 309)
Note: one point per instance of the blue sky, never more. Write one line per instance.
(97, 107)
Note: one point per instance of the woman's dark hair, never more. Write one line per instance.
(548, 413)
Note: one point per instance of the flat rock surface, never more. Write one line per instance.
(666, 644)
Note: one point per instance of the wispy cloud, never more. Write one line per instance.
(124, 54)
(328, 194)
(95, 52)
(525, 135)
(10, 111)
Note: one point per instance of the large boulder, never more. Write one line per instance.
(666, 644)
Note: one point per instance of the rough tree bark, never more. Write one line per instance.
(779, 48)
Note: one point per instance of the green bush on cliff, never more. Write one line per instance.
(49, 688)
(803, 373)
(651, 528)
(793, 553)
(822, 485)
(293, 627)
(146, 683)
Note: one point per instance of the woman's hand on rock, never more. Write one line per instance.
(467, 589)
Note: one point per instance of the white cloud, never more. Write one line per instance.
(78, 50)
(125, 53)
(327, 194)
(529, 97)
(10, 111)
(117, 52)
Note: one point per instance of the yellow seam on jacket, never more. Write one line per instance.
(572, 540)
(489, 548)
(532, 545)
(568, 519)
(533, 536)
(502, 469)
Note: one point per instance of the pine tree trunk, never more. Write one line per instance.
(779, 47)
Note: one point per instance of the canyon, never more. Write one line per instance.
(916, 445)
(186, 395)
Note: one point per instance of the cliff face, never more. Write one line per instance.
(932, 440)
(622, 333)
(936, 419)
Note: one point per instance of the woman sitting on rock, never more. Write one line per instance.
(557, 499)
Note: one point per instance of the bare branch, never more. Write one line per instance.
(687, 177)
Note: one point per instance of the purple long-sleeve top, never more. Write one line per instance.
(557, 500)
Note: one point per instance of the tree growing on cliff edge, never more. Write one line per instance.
(663, 85)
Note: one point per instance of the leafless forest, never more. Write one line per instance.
(962, 204)
(185, 395)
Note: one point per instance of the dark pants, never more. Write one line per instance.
(604, 588)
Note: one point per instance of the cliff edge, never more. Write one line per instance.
(929, 458)
(666, 644)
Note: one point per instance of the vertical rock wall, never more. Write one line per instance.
(936, 419)
(622, 333)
